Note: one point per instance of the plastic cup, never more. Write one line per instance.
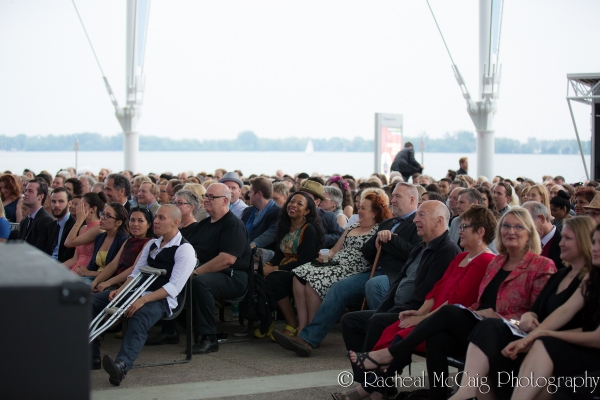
(324, 255)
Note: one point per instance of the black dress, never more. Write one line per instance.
(492, 335)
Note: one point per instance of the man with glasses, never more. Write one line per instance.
(466, 198)
(221, 243)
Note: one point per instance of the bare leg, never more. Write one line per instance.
(285, 306)
(477, 365)
(300, 300)
(538, 363)
(313, 301)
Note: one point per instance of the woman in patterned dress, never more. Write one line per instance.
(313, 280)
(300, 236)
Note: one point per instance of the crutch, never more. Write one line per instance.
(125, 298)
(372, 273)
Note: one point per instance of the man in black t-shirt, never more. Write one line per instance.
(221, 244)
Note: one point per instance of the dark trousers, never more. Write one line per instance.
(137, 328)
(361, 331)
(212, 286)
(281, 283)
(447, 333)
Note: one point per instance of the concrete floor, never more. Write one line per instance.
(255, 369)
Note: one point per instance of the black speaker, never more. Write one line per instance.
(45, 311)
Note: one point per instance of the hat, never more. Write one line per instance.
(594, 204)
(231, 177)
(314, 188)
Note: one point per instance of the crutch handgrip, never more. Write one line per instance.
(111, 310)
(153, 271)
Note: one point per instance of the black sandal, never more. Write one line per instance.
(360, 362)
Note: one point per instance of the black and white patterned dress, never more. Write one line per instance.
(347, 262)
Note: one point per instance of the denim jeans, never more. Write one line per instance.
(375, 291)
(340, 295)
(137, 328)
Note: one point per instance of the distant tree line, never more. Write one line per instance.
(457, 142)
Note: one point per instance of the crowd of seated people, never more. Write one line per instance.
(457, 259)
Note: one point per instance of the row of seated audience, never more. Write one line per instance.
(434, 252)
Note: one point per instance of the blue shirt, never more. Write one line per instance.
(61, 223)
(4, 228)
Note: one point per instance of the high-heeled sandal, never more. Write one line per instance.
(292, 332)
(349, 395)
(360, 362)
(269, 333)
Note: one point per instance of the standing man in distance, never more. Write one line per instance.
(234, 183)
(463, 163)
(60, 199)
(405, 162)
(34, 227)
(118, 189)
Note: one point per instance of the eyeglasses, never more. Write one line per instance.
(592, 213)
(179, 203)
(104, 215)
(517, 228)
(212, 197)
(462, 227)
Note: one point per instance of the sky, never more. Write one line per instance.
(280, 69)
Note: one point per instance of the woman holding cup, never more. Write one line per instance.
(313, 280)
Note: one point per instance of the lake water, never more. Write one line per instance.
(357, 164)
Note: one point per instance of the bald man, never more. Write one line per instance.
(424, 267)
(170, 252)
(221, 243)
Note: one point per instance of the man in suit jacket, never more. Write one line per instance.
(34, 227)
(60, 199)
(147, 195)
(405, 162)
(118, 189)
(262, 215)
(396, 237)
(549, 235)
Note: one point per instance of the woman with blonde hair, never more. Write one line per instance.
(490, 336)
(199, 190)
(540, 194)
(511, 284)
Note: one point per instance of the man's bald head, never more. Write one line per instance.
(166, 220)
(431, 220)
(220, 189)
(172, 211)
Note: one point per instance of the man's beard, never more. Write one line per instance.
(62, 213)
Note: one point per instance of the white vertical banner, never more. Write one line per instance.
(389, 130)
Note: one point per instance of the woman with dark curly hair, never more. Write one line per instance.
(300, 237)
(313, 280)
(11, 198)
(583, 197)
(488, 201)
(564, 353)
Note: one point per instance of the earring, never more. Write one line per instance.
(479, 243)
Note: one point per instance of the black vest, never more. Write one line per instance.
(165, 259)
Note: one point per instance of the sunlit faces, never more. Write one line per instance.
(365, 211)
(297, 207)
(444, 187)
(58, 182)
(144, 194)
(462, 204)
(111, 193)
(401, 200)
(534, 195)
(514, 233)
(60, 204)
(108, 219)
(183, 205)
(499, 197)
(138, 224)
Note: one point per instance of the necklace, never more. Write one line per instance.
(469, 259)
